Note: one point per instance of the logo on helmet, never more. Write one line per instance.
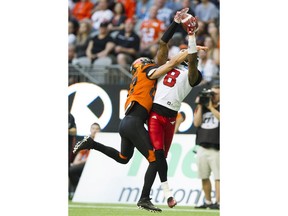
(140, 62)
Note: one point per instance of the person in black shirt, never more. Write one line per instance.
(127, 44)
(207, 122)
(101, 45)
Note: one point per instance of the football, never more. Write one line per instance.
(189, 23)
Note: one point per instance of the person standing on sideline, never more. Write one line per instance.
(207, 122)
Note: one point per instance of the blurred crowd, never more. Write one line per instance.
(105, 32)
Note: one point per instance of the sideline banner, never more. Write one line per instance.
(104, 104)
(104, 180)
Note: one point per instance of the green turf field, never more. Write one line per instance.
(91, 209)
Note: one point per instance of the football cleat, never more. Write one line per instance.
(171, 202)
(85, 143)
(145, 203)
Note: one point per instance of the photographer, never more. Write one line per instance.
(207, 122)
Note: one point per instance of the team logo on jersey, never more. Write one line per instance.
(90, 104)
(209, 121)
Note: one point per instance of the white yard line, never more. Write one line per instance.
(133, 208)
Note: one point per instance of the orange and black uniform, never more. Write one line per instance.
(131, 129)
(138, 105)
(142, 89)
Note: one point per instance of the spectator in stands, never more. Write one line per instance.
(207, 11)
(77, 166)
(174, 5)
(143, 8)
(213, 52)
(216, 3)
(101, 46)
(130, 7)
(82, 41)
(201, 34)
(71, 53)
(195, 3)
(207, 67)
(118, 19)
(164, 13)
(102, 14)
(213, 31)
(127, 45)
(151, 31)
(71, 4)
(207, 123)
(82, 9)
(72, 19)
(71, 32)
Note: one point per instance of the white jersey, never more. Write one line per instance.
(172, 88)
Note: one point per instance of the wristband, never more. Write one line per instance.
(192, 44)
(168, 34)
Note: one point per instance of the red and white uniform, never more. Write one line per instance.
(172, 88)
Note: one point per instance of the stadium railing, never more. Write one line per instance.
(100, 74)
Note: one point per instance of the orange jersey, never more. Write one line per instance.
(130, 7)
(82, 10)
(151, 29)
(142, 89)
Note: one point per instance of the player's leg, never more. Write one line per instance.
(138, 135)
(168, 137)
(134, 131)
(204, 172)
(127, 147)
(144, 201)
(169, 133)
(214, 162)
(156, 125)
(89, 143)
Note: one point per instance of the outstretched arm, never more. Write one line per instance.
(162, 53)
(176, 60)
(190, 24)
(193, 75)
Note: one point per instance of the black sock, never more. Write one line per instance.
(110, 152)
(162, 166)
(150, 176)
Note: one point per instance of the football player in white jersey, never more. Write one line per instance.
(172, 88)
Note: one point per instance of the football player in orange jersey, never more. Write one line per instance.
(137, 107)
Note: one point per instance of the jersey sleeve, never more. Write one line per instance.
(150, 69)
